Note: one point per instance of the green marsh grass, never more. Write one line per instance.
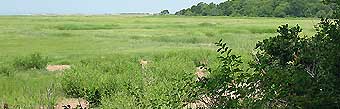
(172, 44)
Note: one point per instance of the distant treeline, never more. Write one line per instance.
(261, 8)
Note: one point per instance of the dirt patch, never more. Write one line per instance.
(203, 103)
(72, 103)
(143, 63)
(201, 73)
(57, 67)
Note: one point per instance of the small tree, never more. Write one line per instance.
(164, 12)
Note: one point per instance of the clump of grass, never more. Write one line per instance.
(233, 30)
(193, 40)
(63, 62)
(261, 30)
(90, 80)
(148, 27)
(189, 39)
(33, 61)
(206, 24)
(62, 35)
(29, 89)
(209, 34)
(136, 37)
(87, 26)
(6, 70)
(241, 29)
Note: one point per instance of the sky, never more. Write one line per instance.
(19, 7)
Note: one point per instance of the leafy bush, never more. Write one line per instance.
(34, 61)
(291, 71)
(294, 70)
(220, 88)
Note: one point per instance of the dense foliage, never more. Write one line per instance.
(220, 88)
(290, 71)
(298, 71)
(164, 12)
(261, 8)
(294, 70)
(336, 6)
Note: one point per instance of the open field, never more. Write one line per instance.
(116, 43)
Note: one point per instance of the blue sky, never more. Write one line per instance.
(14, 7)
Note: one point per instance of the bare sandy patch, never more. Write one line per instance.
(57, 67)
(72, 103)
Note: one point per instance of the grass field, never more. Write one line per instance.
(171, 43)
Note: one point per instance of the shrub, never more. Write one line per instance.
(34, 61)
(220, 81)
(291, 71)
(300, 72)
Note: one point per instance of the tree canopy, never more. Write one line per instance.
(261, 8)
(164, 12)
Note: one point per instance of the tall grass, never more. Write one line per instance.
(29, 89)
(87, 26)
(102, 81)
(104, 52)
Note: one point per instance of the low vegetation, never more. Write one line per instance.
(169, 62)
(123, 80)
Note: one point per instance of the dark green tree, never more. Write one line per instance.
(336, 7)
(164, 12)
(280, 10)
